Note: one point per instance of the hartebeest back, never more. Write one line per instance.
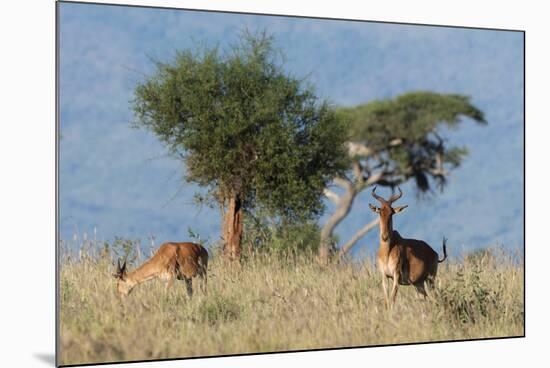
(406, 261)
(181, 261)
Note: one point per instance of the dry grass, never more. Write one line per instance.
(274, 304)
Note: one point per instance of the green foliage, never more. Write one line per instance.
(243, 126)
(405, 135)
(469, 298)
(284, 238)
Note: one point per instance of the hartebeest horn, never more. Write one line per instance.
(395, 197)
(380, 199)
(120, 268)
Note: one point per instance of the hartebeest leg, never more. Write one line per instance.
(421, 290)
(394, 288)
(189, 285)
(385, 289)
(202, 275)
(169, 283)
(430, 282)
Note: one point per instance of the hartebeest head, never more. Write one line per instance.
(123, 286)
(386, 211)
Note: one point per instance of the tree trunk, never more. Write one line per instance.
(343, 206)
(233, 228)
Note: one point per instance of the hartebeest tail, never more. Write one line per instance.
(444, 251)
(182, 261)
(406, 261)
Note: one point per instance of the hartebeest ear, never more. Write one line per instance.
(399, 209)
(117, 275)
(374, 208)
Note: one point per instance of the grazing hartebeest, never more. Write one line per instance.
(406, 261)
(181, 261)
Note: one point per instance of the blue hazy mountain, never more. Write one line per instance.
(121, 181)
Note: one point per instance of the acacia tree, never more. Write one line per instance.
(392, 142)
(254, 136)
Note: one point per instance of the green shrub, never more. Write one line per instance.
(280, 238)
(467, 298)
(218, 309)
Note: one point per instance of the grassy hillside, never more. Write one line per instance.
(273, 303)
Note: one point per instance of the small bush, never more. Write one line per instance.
(467, 299)
(218, 309)
(281, 239)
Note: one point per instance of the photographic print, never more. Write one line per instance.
(234, 183)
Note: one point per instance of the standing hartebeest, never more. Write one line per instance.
(181, 261)
(406, 261)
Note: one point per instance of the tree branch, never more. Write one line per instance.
(395, 142)
(373, 179)
(358, 149)
(343, 182)
(334, 198)
(358, 235)
(358, 174)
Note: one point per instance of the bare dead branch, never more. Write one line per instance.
(395, 142)
(358, 235)
(438, 172)
(375, 178)
(343, 182)
(358, 149)
(334, 198)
